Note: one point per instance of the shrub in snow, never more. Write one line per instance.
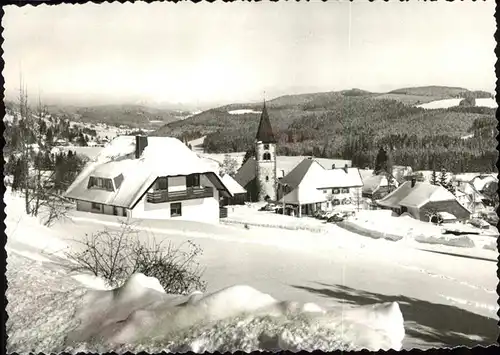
(115, 255)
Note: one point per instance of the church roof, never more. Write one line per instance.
(265, 131)
(247, 172)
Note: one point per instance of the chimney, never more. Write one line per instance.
(413, 181)
(333, 166)
(141, 142)
(345, 168)
(282, 173)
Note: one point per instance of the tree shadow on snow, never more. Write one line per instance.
(429, 322)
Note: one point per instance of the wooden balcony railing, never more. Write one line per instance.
(190, 193)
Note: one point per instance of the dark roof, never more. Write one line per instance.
(247, 172)
(265, 131)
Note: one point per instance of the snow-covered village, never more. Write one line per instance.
(271, 192)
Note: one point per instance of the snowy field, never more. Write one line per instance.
(445, 300)
(243, 111)
(447, 103)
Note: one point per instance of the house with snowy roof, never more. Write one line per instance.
(377, 186)
(149, 177)
(420, 199)
(470, 197)
(310, 187)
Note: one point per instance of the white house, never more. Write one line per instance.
(309, 187)
(149, 177)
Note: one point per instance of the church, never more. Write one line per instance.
(259, 173)
(312, 184)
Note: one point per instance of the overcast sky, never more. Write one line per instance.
(204, 53)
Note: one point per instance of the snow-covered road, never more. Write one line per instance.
(445, 300)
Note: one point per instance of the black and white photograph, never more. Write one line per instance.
(250, 176)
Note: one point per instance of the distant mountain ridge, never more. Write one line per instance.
(351, 124)
(136, 116)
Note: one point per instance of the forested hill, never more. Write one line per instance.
(353, 124)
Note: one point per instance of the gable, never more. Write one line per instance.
(307, 167)
(450, 206)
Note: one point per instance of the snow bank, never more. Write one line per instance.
(460, 241)
(242, 111)
(381, 224)
(352, 227)
(491, 246)
(137, 318)
(27, 230)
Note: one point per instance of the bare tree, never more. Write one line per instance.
(229, 166)
(24, 139)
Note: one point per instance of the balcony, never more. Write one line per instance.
(190, 193)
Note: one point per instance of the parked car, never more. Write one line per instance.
(321, 214)
(337, 217)
(268, 207)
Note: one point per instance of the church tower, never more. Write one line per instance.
(265, 156)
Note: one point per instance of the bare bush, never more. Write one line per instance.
(115, 255)
(54, 208)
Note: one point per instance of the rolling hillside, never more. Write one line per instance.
(136, 116)
(352, 124)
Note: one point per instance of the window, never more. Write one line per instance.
(267, 178)
(336, 202)
(266, 156)
(107, 184)
(162, 183)
(193, 180)
(266, 146)
(345, 191)
(335, 191)
(96, 207)
(325, 191)
(175, 209)
(100, 183)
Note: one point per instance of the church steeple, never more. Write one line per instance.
(265, 131)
